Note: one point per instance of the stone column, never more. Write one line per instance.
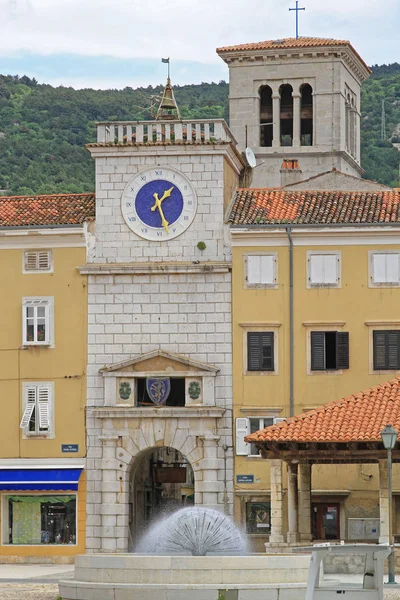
(305, 502)
(383, 502)
(276, 119)
(210, 465)
(114, 499)
(293, 507)
(276, 536)
(296, 118)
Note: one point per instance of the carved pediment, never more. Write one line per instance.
(160, 361)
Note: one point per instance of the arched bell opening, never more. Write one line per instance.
(266, 129)
(286, 116)
(161, 482)
(306, 115)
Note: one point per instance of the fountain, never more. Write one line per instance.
(195, 553)
(197, 531)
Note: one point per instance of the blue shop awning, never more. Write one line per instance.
(61, 479)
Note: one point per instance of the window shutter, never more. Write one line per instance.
(279, 420)
(317, 351)
(30, 261)
(330, 269)
(43, 405)
(316, 268)
(242, 428)
(392, 346)
(261, 269)
(267, 264)
(37, 260)
(253, 351)
(342, 350)
(267, 351)
(260, 351)
(253, 269)
(43, 261)
(29, 407)
(392, 268)
(379, 343)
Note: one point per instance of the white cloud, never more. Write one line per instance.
(182, 29)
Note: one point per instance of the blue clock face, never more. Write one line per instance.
(159, 204)
(170, 198)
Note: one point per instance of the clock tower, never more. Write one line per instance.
(159, 397)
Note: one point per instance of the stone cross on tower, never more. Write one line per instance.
(297, 9)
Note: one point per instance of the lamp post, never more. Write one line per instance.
(389, 437)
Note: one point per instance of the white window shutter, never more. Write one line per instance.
(253, 269)
(43, 406)
(30, 261)
(379, 268)
(29, 407)
(43, 260)
(316, 268)
(267, 265)
(242, 429)
(330, 268)
(392, 268)
(279, 420)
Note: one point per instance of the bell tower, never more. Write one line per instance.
(296, 101)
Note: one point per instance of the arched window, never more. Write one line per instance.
(306, 115)
(286, 115)
(266, 129)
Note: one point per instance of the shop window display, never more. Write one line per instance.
(36, 520)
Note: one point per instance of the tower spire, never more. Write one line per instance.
(168, 108)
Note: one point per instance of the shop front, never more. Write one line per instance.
(42, 510)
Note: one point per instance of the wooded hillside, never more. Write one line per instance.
(43, 129)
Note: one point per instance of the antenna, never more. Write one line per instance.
(383, 121)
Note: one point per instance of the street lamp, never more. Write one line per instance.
(389, 438)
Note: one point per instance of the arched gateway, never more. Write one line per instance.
(154, 459)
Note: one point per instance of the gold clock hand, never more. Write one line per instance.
(166, 194)
(160, 210)
(157, 204)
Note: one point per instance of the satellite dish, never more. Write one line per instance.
(250, 157)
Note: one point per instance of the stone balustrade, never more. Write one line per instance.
(199, 131)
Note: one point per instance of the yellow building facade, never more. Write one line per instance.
(42, 377)
(344, 330)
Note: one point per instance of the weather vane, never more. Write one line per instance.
(297, 17)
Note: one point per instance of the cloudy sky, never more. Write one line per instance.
(118, 43)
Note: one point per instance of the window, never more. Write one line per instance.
(386, 347)
(323, 269)
(260, 351)
(36, 520)
(37, 261)
(258, 517)
(385, 268)
(260, 270)
(36, 418)
(247, 425)
(37, 321)
(329, 350)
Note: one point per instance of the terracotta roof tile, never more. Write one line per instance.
(60, 209)
(266, 206)
(357, 418)
(289, 43)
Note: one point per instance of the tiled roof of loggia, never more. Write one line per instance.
(278, 206)
(55, 209)
(357, 418)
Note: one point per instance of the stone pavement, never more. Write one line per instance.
(32, 582)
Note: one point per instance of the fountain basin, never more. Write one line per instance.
(140, 577)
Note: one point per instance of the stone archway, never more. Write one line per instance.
(125, 439)
(161, 481)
